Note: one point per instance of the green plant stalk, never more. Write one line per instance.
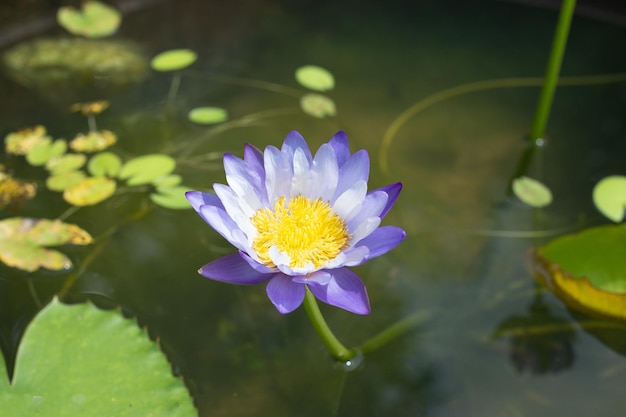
(394, 331)
(339, 351)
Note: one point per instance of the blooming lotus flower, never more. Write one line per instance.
(299, 220)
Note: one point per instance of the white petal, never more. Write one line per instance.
(238, 209)
(364, 229)
(373, 204)
(277, 174)
(349, 203)
(301, 173)
(324, 174)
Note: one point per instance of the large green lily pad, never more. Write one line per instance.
(104, 164)
(95, 20)
(145, 169)
(171, 197)
(609, 196)
(81, 361)
(587, 270)
(23, 241)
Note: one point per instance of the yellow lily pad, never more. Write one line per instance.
(22, 141)
(93, 141)
(14, 193)
(90, 107)
(90, 191)
(95, 20)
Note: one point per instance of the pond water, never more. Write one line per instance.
(479, 349)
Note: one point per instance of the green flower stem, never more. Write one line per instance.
(394, 331)
(339, 351)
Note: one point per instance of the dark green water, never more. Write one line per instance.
(462, 262)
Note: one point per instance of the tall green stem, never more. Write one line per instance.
(339, 351)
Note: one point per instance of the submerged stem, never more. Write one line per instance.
(339, 351)
(174, 85)
(394, 331)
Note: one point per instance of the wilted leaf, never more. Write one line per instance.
(587, 270)
(609, 196)
(317, 105)
(77, 360)
(22, 242)
(532, 192)
(95, 20)
(208, 115)
(90, 107)
(93, 141)
(64, 180)
(171, 197)
(316, 78)
(173, 60)
(104, 164)
(90, 191)
(145, 169)
(14, 193)
(22, 141)
(64, 163)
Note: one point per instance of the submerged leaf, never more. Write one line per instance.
(173, 60)
(104, 164)
(22, 141)
(532, 192)
(316, 78)
(587, 270)
(77, 360)
(171, 197)
(208, 115)
(90, 191)
(93, 141)
(145, 169)
(609, 196)
(95, 20)
(318, 105)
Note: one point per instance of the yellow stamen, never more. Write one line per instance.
(306, 230)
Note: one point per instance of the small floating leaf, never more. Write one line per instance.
(64, 163)
(609, 196)
(14, 193)
(173, 60)
(90, 107)
(90, 191)
(145, 169)
(532, 192)
(587, 270)
(171, 197)
(22, 240)
(316, 78)
(317, 105)
(208, 115)
(22, 141)
(167, 181)
(104, 164)
(96, 19)
(44, 150)
(77, 360)
(64, 180)
(93, 141)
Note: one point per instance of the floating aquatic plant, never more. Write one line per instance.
(94, 141)
(318, 105)
(94, 20)
(609, 196)
(22, 141)
(208, 115)
(13, 192)
(315, 78)
(532, 192)
(173, 60)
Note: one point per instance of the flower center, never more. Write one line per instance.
(306, 230)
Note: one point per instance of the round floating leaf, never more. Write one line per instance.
(208, 115)
(173, 60)
(14, 193)
(317, 105)
(77, 360)
(316, 78)
(145, 169)
(64, 180)
(532, 192)
(90, 191)
(90, 107)
(587, 270)
(609, 196)
(64, 163)
(22, 141)
(93, 141)
(22, 240)
(40, 152)
(104, 164)
(167, 181)
(96, 19)
(171, 197)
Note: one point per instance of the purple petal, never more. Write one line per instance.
(285, 294)
(233, 269)
(392, 190)
(344, 290)
(259, 267)
(324, 174)
(198, 199)
(254, 157)
(219, 220)
(382, 240)
(356, 168)
(321, 277)
(278, 173)
(340, 145)
(293, 141)
(244, 179)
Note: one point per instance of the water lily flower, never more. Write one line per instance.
(299, 220)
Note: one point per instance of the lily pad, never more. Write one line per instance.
(64, 163)
(587, 270)
(173, 60)
(315, 78)
(171, 197)
(318, 105)
(609, 196)
(90, 191)
(64, 180)
(95, 20)
(44, 150)
(104, 164)
(167, 181)
(532, 192)
(77, 360)
(14, 193)
(22, 141)
(93, 141)
(90, 107)
(22, 242)
(208, 115)
(145, 169)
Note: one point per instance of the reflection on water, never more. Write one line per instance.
(462, 262)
